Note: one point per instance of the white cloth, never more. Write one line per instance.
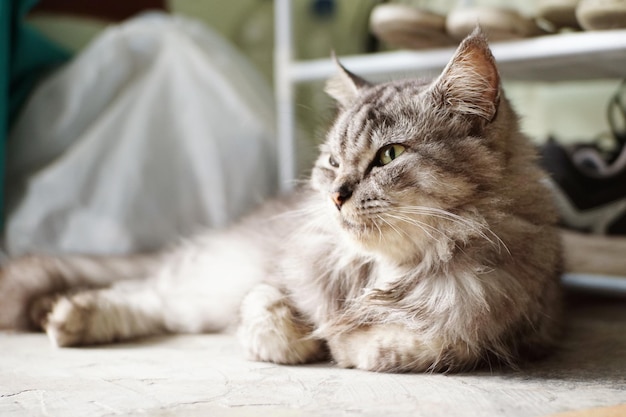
(155, 129)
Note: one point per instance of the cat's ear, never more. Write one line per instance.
(344, 86)
(470, 83)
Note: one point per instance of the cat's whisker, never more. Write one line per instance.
(415, 222)
(399, 232)
(421, 225)
(440, 213)
(475, 226)
(381, 237)
(305, 212)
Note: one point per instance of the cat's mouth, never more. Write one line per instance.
(361, 222)
(352, 225)
(359, 227)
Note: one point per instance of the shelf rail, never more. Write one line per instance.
(570, 56)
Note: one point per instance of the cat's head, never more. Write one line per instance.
(404, 157)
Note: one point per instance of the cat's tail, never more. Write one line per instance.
(25, 278)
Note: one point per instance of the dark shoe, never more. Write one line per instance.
(592, 208)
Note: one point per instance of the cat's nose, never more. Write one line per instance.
(341, 195)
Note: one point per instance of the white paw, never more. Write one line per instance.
(383, 348)
(357, 350)
(271, 332)
(70, 321)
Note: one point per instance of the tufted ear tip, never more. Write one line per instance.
(344, 86)
(478, 32)
(470, 82)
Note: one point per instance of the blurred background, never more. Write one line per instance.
(229, 37)
(572, 111)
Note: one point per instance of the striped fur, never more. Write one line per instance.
(444, 258)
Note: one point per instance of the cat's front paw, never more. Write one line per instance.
(71, 320)
(270, 331)
(388, 348)
(353, 351)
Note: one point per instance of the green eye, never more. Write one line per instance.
(389, 153)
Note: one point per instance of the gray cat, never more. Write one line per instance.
(424, 240)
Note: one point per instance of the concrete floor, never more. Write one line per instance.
(205, 375)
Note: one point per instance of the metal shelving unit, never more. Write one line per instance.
(562, 57)
(570, 56)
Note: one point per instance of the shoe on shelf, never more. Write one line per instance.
(601, 14)
(592, 209)
(499, 23)
(605, 157)
(404, 26)
(560, 14)
(589, 186)
(588, 201)
(602, 160)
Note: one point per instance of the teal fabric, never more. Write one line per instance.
(25, 57)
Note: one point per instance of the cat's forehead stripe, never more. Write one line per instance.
(355, 129)
(385, 95)
(354, 124)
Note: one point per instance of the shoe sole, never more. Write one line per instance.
(601, 14)
(408, 27)
(559, 13)
(498, 23)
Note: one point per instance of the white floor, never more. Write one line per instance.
(205, 375)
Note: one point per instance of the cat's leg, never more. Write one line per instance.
(124, 311)
(26, 278)
(272, 331)
(395, 348)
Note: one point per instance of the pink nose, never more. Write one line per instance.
(340, 196)
(336, 196)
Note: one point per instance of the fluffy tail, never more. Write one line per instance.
(26, 278)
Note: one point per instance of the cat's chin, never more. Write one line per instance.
(364, 235)
(354, 228)
(373, 240)
(370, 245)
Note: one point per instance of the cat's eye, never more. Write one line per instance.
(389, 153)
(333, 162)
